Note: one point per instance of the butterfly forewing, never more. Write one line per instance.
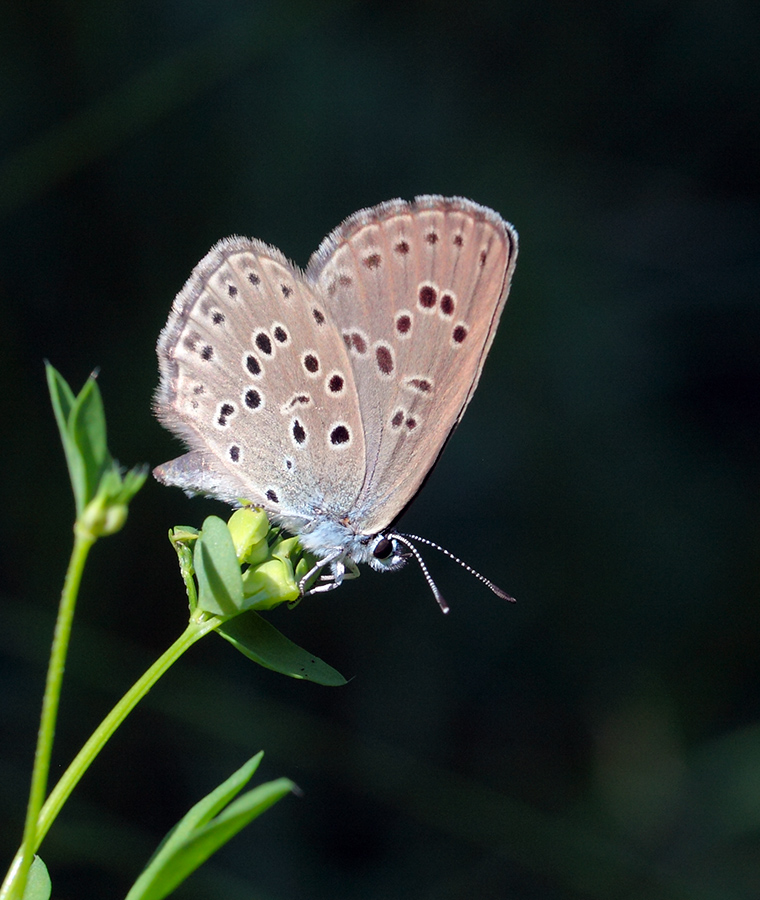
(416, 290)
(257, 381)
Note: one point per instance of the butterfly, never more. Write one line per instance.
(326, 396)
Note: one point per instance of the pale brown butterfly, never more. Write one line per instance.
(326, 396)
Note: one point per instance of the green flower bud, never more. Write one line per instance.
(102, 516)
(269, 584)
(285, 548)
(249, 528)
(116, 516)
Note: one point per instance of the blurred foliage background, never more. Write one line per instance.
(600, 738)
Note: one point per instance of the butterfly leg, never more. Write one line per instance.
(320, 564)
(342, 570)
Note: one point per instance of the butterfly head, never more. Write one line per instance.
(386, 552)
(336, 545)
(328, 537)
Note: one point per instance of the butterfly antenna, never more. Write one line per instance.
(489, 584)
(428, 577)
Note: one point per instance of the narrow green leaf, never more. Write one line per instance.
(87, 427)
(198, 834)
(208, 839)
(63, 401)
(132, 482)
(61, 398)
(263, 643)
(220, 584)
(101, 494)
(204, 810)
(38, 884)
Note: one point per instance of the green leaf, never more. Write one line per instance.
(63, 401)
(101, 493)
(198, 834)
(263, 643)
(220, 584)
(38, 884)
(205, 810)
(87, 428)
(132, 482)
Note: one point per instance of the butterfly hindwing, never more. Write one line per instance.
(416, 290)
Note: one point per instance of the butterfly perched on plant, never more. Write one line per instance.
(326, 396)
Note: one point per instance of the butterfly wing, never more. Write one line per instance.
(416, 291)
(257, 381)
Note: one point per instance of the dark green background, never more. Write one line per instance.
(600, 738)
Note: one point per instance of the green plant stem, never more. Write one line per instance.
(196, 629)
(83, 542)
(84, 759)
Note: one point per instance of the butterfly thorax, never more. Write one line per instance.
(326, 536)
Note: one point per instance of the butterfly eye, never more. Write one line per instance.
(383, 549)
